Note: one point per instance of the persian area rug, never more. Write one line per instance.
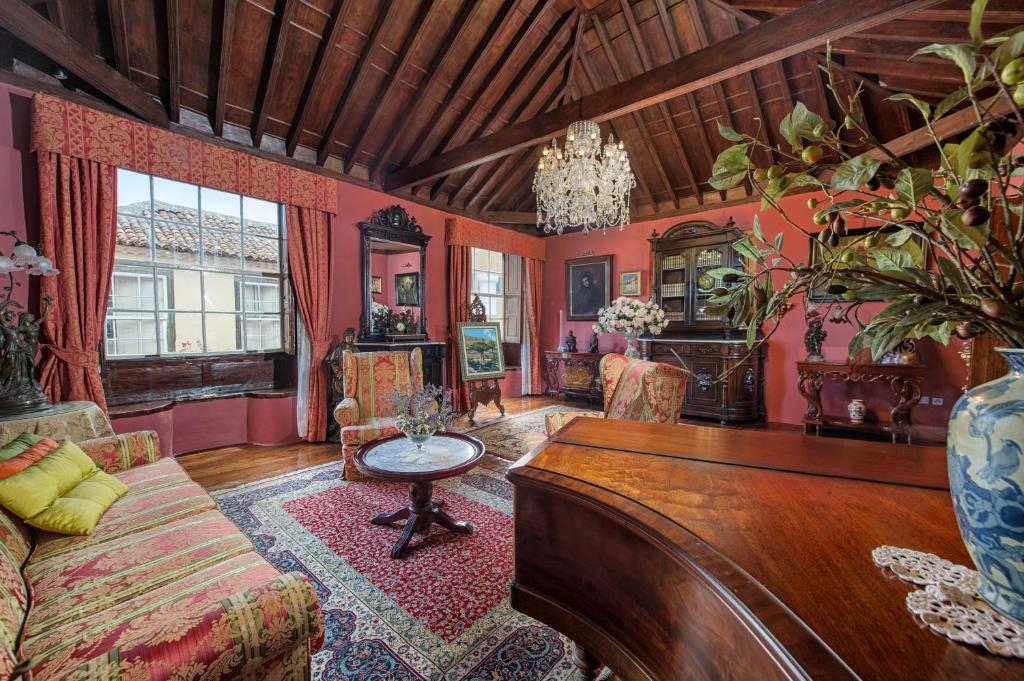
(440, 613)
(511, 437)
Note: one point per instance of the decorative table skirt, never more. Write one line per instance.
(74, 421)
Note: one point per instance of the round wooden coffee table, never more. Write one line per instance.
(397, 458)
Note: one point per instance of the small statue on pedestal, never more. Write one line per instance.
(815, 338)
(592, 347)
(570, 342)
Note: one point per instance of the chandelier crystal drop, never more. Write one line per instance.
(583, 185)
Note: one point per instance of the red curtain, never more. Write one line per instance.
(534, 286)
(77, 226)
(459, 275)
(309, 260)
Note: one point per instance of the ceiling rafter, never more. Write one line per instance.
(384, 18)
(507, 56)
(433, 72)
(581, 25)
(638, 119)
(1008, 11)
(118, 36)
(332, 33)
(549, 76)
(227, 33)
(272, 68)
(34, 30)
(647, 60)
(700, 31)
(498, 25)
(410, 45)
(523, 77)
(779, 38)
(173, 62)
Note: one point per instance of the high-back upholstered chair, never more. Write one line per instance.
(634, 390)
(366, 412)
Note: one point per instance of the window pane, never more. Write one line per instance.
(221, 210)
(181, 332)
(176, 243)
(222, 250)
(176, 201)
(222, 292)
(223, 332)
(262, 333)
(261, 217)
(479, 259)
(132, 192)
(261, 296)
(179, 290)
(131, 334)
(495, 261)
(131, 289)
(262, 254)
(134, 237)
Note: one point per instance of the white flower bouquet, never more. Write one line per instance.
(631, 318)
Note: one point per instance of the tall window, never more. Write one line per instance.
(497, 279)
(196, 270)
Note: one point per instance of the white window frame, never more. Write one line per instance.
(161, 310)
(511, 294)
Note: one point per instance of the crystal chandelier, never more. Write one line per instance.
(583, 185)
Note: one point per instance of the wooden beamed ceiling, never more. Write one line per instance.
(445, 101)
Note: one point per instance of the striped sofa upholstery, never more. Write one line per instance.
(166, 587)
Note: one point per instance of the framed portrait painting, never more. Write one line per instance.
(588, 286)
(376, 284)
(630, 284)
(407, 289)
(480, 351)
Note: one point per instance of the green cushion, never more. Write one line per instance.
(18, 445)
(80, 509)
(29, 492)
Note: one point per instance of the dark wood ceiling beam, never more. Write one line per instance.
(433, 72)
(118, 36)
(675, 47)
(385, 17)
(31, 28)
(638, 120)
(227, 35)
(883, 66)
(525, 77)
(581, 25)
(314, 81)
(508, 55)
(647, 61)
(410, 45)
(498, 25)
(272, 68)
(55, 10)
(173, 62)
(1006, 11)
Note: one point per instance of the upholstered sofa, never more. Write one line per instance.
(634, 390)
(366, 412)
(164, 588)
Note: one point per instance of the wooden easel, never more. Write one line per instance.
(483, 391)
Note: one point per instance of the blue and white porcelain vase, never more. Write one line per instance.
(985, 452)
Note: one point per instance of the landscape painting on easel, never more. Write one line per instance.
(480, 351)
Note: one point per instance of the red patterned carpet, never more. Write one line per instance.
(440, 613)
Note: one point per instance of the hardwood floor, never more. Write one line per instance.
(227, 467)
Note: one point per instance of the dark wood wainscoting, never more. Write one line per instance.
(127, 381)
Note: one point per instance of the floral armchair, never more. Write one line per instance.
(634, 390)
(366, 412)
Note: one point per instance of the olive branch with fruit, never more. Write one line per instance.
(944, 251)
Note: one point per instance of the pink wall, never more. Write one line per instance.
(18, 178)
(631, 251)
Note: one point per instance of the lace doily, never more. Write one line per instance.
(949, 604)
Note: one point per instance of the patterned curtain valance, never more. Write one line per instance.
(71, 129)
(462, 232)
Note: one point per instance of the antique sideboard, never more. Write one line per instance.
(579, 376)
(692, 552)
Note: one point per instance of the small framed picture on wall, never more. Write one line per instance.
(376, 284)
(630, 284)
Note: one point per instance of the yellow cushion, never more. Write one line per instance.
(78, 511)
(30, 492)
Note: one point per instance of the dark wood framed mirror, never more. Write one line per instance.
(394, 263)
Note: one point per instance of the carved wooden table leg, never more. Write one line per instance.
(810, 387)
(584, 661)
(420, 514)
(908, 392)
(553, 375)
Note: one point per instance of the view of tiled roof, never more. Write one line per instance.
(176, 229)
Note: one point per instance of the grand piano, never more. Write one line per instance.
(685, 552)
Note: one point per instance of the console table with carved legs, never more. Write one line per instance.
(903, 379)
(580, 377)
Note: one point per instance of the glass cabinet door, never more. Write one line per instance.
(674, 284)
(704, 260)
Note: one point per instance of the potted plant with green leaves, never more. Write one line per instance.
(944, 254)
